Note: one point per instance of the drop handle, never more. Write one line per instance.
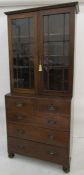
(19, 117)
(20, 146)
(51, 137)
(20, 131)
(51, 153)
(19, 105)
(53, 108)
(51, 122)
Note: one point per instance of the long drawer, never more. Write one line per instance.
(57, 121)
(37, 134)
(38, 150)
(20, 105)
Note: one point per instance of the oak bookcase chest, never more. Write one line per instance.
(41, 52)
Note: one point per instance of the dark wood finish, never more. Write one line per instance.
(59, 122)
(51, 12)
(48, 136)
(20, 105)
(38, 150)
(53, 106)
(38, 53)
(34, 52)
(38, 109)
(72, 4)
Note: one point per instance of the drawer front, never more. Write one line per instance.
(38, 150)
(60, 122)
(53, 106)
(20, 117)
(20, 105)
(33, 133)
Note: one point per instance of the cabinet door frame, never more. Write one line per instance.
(35, 52)
(71, 11)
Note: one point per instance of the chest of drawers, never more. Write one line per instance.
(38, 108)
(41, 124)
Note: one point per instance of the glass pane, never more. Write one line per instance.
(55, 77)
(23, 58)
(56, 25)
(66, 27)
(56, 52)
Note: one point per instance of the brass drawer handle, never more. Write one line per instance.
(51, 107)
(19, 105)
(19, 117)
(51, 153)
(51, 137)
(20, 131)
(51, 122)
(20, 146)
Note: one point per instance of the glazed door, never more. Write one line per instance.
(23, 52)
(55, 65)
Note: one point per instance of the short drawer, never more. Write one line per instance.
(20, 105)
(42, 135)
(20, 117)
(59, 122)
(38, 150)
(53, 105)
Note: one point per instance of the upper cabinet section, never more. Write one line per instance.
(41, 49)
